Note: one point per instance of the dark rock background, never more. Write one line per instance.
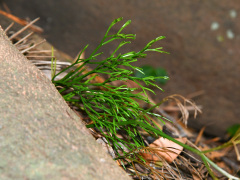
(200, 59)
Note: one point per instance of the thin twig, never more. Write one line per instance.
(25, 50)
(23, 29)
(22, 22)
(10, 25)
(41, 51)
(32, 56)
(24, 38)
(6, 8)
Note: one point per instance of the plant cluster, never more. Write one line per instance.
(113, 110)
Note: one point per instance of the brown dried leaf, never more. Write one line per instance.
(165, 149)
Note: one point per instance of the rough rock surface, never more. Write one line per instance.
(40, 136)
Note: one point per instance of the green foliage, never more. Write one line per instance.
(113, 109)
(148, 70)
(232, 130)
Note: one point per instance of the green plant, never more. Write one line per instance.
(148, 70)
(114, 109)
(232, 130)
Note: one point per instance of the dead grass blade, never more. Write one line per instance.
(182, 102)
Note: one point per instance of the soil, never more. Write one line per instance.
(204, 57)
